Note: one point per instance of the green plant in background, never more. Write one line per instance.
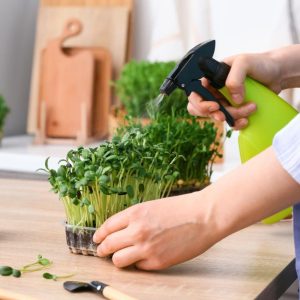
(4, 110)
(139, 84)
(95, 183)
(195, 141)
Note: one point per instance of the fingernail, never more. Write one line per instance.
(237, 98)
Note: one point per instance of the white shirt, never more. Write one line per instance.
(287, 148)
(286, 144)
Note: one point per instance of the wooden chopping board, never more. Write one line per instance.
(66, 85)
(104, 27)
(102, 89)
(111, 3)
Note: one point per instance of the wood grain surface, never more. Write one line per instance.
(66, 82)
(102, 89)
(103, 27)
(70, 77)
(125, 3)
(31, 223)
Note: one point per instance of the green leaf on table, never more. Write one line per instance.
(16, 273)
(6, 270)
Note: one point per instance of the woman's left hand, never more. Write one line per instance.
(157, 234)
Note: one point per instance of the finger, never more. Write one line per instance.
(115, 242)
(240, 124)
(211, 89)
(192, 111)
(237, 113)
(202, 109)
(150, 264)
(218, 116)
(127, 256)
(198, 107)
(243, 111)
(117, 222)
(144, 265)
(236, 78)
(195, 97)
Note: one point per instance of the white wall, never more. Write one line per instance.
(17, 31)
(237, 25)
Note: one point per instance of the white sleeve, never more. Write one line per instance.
(286, 144)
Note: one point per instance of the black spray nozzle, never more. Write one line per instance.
(196, 64)
(167, 87)
(216, 72)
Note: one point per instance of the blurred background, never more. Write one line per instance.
(162, 30)
(44, 91)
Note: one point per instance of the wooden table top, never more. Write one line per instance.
(31, 223)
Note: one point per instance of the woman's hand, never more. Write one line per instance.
(157, 234)
(262, 67)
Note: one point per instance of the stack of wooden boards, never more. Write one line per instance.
(80, 46)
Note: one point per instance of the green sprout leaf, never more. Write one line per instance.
(229, 133)
(44, 261)
(49, 276)
(40, 264)
(134, 201)
(16, 273)
(75, 201)
(103, 179)
(91, 209)
(6, 270)
(141, 187)
(86, 201)
(56, 277)
(47, 163)
(130, 191)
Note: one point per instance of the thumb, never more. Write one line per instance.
(236, 78)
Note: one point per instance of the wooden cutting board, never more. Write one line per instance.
(102, 89)
(103, 27)
(110, 3)
(66, 85)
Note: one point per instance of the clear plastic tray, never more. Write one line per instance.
(80, 239)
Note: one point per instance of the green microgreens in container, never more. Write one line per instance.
(95, 183)
(196, 142)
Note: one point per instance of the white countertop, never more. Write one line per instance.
(19, 154)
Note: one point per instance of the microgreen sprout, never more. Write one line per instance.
(56, 277)
(6, 270)
(40, 264)
(95, 183)
(195, 142)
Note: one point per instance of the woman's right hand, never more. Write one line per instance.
(262, 67)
